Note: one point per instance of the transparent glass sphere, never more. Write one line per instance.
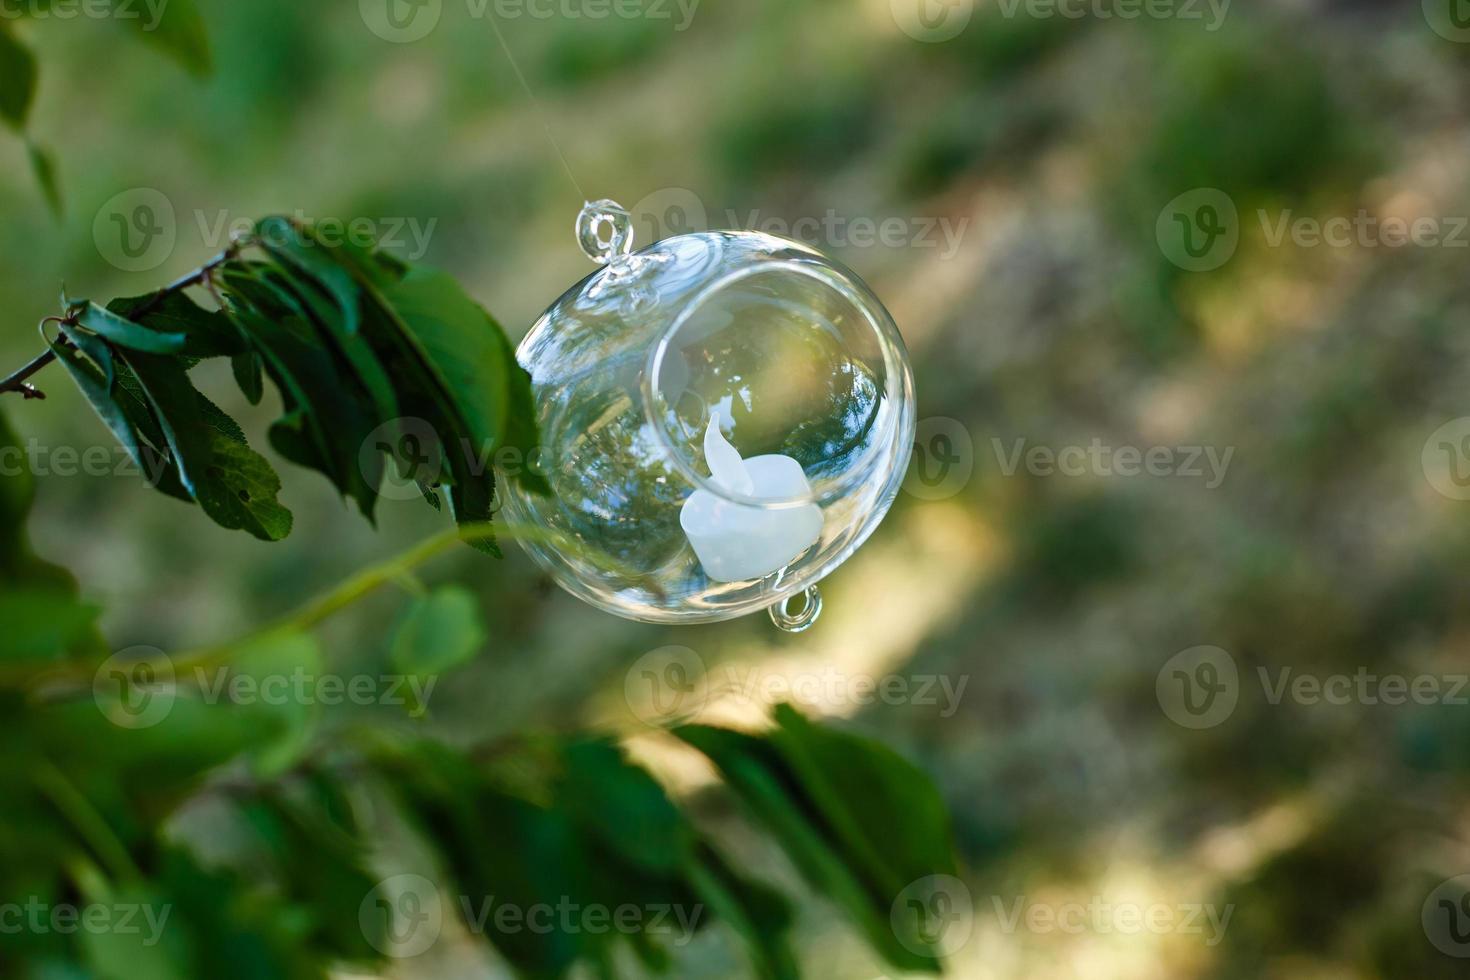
(725, 417)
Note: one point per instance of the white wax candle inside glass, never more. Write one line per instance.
(735, 541)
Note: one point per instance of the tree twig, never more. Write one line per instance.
(19, 380)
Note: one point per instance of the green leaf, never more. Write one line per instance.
(624, 807)
(126, 333)
(232, 483)
(759, 915)
(521, 432)
(240, 493)
(125, 954)
(17, 80)
(439, 632)
(19, 566)
(858, 821)
(295, 248)
(43, 624)
(179, 30)
(464, 348)
(206, 333)
(98, 390)
(322, 873)
(275, 663)
(248, 370)
(322, 429)
(43, 167)
(501, 851)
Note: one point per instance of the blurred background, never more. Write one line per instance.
(1159, 414)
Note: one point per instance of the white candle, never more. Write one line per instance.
(741, 541)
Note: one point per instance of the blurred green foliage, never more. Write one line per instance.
(1060, 320)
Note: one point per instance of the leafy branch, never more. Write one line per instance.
(376, 362)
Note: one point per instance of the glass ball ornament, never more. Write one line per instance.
(725, 417)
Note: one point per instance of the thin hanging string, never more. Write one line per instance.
(535, 103)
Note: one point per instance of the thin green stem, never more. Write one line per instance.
(86, 820)
(345, 594)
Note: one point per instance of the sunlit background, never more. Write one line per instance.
(1305, 512)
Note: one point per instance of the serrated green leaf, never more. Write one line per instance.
(97, 389)
(463, 347)
(321, 429)
(249, 374)
(17, 80)
(373, 387)
(206, 333)
(241, 490)
(232, 483)
(297, 249)
(126, 333)
(438, 632)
